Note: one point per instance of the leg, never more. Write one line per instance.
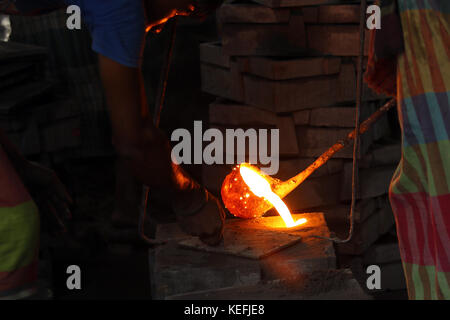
(420, 193)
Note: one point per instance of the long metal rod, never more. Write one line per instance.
(159, 104)
(359, 99)
(294, 182)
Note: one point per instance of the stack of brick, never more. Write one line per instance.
(36, 119)
(292, 65)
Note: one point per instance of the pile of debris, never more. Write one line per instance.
(292, 65)
(36, 119)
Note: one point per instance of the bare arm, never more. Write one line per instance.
(137, 140)
(147, 152)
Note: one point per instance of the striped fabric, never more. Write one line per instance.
(19, 235)
(73, 64)
(420, 189)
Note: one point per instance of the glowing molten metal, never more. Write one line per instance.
(248, 192)
(157, 26)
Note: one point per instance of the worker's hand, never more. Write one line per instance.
(47, 191)
(207, 222)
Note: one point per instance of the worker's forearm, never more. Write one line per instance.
(150, 161)
(142, 146)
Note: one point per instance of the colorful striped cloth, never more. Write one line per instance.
(420, 189)
(19, 235)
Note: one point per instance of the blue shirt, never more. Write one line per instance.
(117, 26)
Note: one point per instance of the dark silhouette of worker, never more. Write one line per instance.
(118, 29)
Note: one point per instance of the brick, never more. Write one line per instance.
(287, 143)
(315, 192)
(291, 167)
(288, 137)
(382, 128)
(231, 115)
(381, 253)
(347, 82)
(373, 182)
(301, 118)
(335, 39)
(368, 232)
(294, 3)
(245, 154)
(212, 53)
(291, 68)
(346, 91)
(224, 112)
(222, 82)
(382, 155)
(314, 141)
(333, 117)
(290, 95)
(344, 117)
(251, 12)
(363, 210)
(264, 39)
(238, 83)
(346, 13)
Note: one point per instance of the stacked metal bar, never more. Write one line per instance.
(291, 65)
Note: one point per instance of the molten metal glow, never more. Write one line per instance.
(157, 26)
(261, 188)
